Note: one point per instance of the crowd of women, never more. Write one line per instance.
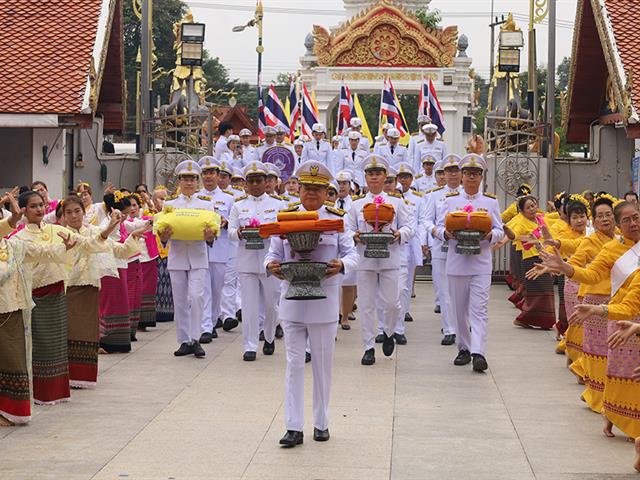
(77, 278)
(588, 245)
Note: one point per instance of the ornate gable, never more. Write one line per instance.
(385, 35)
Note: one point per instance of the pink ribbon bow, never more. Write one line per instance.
(254, 223)
(468, 209)
(377, 201)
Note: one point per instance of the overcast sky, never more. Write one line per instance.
(287, 22)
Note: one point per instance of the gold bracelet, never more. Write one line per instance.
(605, 311)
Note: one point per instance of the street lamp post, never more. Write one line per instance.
(256, 21)
(510, 43)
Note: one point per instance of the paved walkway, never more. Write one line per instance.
(413, 416)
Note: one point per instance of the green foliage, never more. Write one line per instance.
(429, 18)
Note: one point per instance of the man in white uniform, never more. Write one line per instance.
(377, 278)
(269, 141)
(188, 264)
(435, 202)
(248, 150)
(352, 156)
(470, 275)
(298, 147)
(356, 126)
(311, 321)
(318, 148)
(427, 179)
(431, 146)
(418, 136)
(258, 290)
(219, 253)
(226, 130)
(393, 152)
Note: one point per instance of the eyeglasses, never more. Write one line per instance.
(628, 220)
(471, 173)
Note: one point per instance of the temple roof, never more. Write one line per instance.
(53, 54)
(605, 68)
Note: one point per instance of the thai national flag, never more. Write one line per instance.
(274, 110)
(423, 98)
(390, 108)
(309, 113)
(261, 120)
(294, 110)
(435, 110)
(345, 106)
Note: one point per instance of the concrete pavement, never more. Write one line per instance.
(412, 416)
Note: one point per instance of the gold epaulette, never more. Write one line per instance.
(291, 208)
(394, 194)
(329, 204)
(236, 187)
(434, 189)
(173, 197)
(418, 176)
(294, 195)
(336, 211)
(294, 204)
(452, 194)
(228, 192)
(357, 197)
(420, 194)
(204, 197)
(241, 198)
(277, 197)
(490, 195)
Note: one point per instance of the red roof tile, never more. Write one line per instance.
(45, 52)
(625, 18)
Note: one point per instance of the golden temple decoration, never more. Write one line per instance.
(93, 77)
(510, 25)
(385, 35)
(375, 76)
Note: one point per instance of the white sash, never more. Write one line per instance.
(624, 267)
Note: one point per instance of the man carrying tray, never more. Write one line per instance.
(314, 320)
(469, 276)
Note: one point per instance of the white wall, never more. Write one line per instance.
(52, 174)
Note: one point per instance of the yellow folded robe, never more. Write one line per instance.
(187, 223)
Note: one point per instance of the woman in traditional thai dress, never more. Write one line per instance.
(49, 316)
(16, 259)
(164, 296)
(41, 188)
(538, 307)
(95, 213)
(600, 269)
(515, 255)
(83, 296)
(134, 271)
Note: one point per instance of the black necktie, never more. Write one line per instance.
(318, 144)
(353, 156)
(341, 204)
(392, 149)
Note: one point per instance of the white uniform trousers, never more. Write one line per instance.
(229, 302)
(258, 289)
(441, 284)
(405, 300)
(188, 287)
(321, 338)
(212, 296)
(378, 288)
(470, 308)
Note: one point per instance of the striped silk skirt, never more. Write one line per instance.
(164, 295)
(15, 403)
(515, 262)
(561, 324)
(84, 332)
(50, 349)
(538, 308)
(573, 333)
(149, 273)
(621, 393)
(115, 326)
(594, 355)
(134, 285)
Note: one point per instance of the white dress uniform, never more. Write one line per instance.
(260, 149)
(219, 255)
(221, 146)
(248, 155)
(436, 150)
(377, 278)
(413, 142)
(315, 320)
(425, 183)
(351, 159)
(319, 150)
(380, 141)
(364, 145)
(188, 265)
(258, 289)
(394, 154)
(435, 201)
(418, 205)
(470, 275)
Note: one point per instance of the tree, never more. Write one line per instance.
(563, 73)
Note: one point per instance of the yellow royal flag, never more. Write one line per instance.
(287, 110)
(360, 114)
(407, 137)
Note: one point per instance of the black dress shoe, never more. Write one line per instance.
(401, 338)
(218, 324)
(185, 349)
(239, 315)
(291, 439)
(133, 338)
(261, 337)
(345, 326)
(380, 338)
(279, 332)
(307, 357)
(463, 358)
(388, 345)
(249, 356)
(352, 317)
(448, 339)
(437, 309)
(408, 317)
(229, 324)
(206, 337)
(198, 351)
(479, 363)
(369, 357)
(214, 334)
(320, 435)
(269, 348)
